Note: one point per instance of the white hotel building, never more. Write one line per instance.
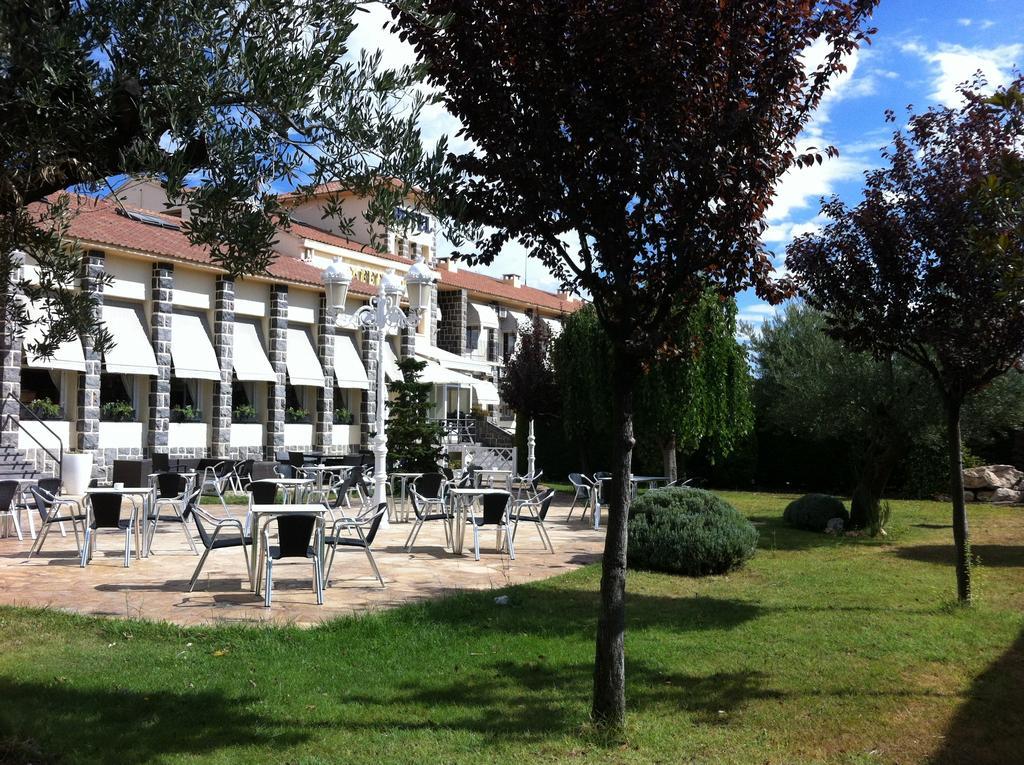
(208, 366)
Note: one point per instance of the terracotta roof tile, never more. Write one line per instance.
(499, 288)
(98, 222)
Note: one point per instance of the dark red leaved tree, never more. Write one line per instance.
(929, 264)
(633, 147)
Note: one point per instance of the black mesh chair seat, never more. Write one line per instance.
(276, 553)
(53, 511)
(536, 512)
(107, 512)
(263, 492)
(233, 541)
(494, 511)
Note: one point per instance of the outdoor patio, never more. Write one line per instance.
(156, 587)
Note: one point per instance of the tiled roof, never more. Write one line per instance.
(98, 222)
(326, 237)
(499, 288)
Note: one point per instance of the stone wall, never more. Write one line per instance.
(224, 346)
(277, 342)
(994, 483)
(451, 332)
(160, 338)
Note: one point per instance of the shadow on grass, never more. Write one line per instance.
(988, 555)
(119, 726)
(775, 534)
(546, 699)
(987, 729)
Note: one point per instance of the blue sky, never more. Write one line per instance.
(921, 52)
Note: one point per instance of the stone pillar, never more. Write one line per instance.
(160, 336)
(368, 421)
(323, 435)
(87, 417)
(451, 334)
(10, 368)
(277, 341)
(407, 346)
(224, 345)
(432, 323)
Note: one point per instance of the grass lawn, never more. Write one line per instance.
(820, 651)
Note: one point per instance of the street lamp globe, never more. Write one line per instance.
(419, 278)
(392, 283)
(337, 278)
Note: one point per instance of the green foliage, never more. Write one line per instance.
(186, 413)
(224, 102)
(528, 385)
(343, 416)
(45, 409)
(700, 397)
(244, 413)
(296, 415)
(688, 531)
(414, 440)
(813, 511)
(117, 411)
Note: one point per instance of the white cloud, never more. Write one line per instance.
(956, 64)
(965, 22)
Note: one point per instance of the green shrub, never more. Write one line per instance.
(45, 409)
(117, 411)
(187, 413)
(343, 416)
(688, 531)
(814, 511)
(296, 415)
(244, 413)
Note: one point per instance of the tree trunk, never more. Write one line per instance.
(961, 534)
(668, 458)
(609, 704)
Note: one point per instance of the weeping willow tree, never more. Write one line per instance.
(700, 399)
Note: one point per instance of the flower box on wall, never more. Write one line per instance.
(49, 435)
(345, 435)
(120, 435)
(186, 435)
(298, 434)
(246, 434)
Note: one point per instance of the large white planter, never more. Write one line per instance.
(246, 434)
(120, 435)
(51, 434)
(298, 434)
(76, 470)
(345, 435)
(187, 435)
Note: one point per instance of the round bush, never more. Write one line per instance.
(814, 511)
(688, 531)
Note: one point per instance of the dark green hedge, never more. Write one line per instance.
(688, 531)
(814, 511)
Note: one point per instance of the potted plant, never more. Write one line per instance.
(45, 409)
(186, 413)
(76, 471)
(343, 416)
(244, 413)
(117, 411)
(296, 415)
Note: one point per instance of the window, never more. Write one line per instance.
(39, 384)
(472, 339)
(509, 344)
(296, 402)
(492, 345)
(243, 401)
(117, 404)
(183, 393)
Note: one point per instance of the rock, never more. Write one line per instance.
(835, 526)
(979, 478)
(969, 496)
(998, 495)
(992, 477)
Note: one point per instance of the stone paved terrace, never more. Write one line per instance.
(155, 587)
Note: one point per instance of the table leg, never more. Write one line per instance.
(595, 510)
(253, 554)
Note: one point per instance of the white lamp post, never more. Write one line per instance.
(381, 313)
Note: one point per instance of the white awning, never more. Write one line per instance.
(514, 320)
(348, 367)
(67, 355)
(486, 392)
(248, 357)
(450, 360)
(191, 350)
(482, 315)
(391, 370)
(303, 365)
(554, 325)
(132, 354)
(439, 375)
